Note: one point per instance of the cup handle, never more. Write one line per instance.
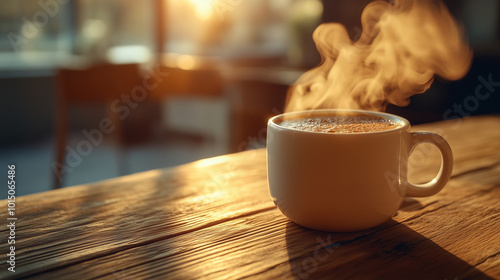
(438, 183)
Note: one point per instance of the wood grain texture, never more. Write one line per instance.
(213, 219)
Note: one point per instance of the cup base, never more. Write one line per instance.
(341, 228)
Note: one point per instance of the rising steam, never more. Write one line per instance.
(404, 44)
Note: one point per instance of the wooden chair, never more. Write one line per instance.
(103, 83)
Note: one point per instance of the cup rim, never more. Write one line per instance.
(405, 124)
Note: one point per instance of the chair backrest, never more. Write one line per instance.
(103, 82)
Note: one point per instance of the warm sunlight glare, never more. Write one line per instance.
(211, 161)
(187, 62)
(203, 8)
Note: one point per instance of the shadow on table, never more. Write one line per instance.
(390, 251)
(410, 205)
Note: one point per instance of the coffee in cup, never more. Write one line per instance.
(339, 123)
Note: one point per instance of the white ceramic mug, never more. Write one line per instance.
(346, 182)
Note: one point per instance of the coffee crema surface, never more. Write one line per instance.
(340, 123)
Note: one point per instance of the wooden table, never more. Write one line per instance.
(213, 219)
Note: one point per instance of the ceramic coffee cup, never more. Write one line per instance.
(346, 181)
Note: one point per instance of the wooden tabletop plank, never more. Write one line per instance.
(433, 237)
(214, 219)
(71, 225)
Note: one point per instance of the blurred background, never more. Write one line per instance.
(181, 80)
